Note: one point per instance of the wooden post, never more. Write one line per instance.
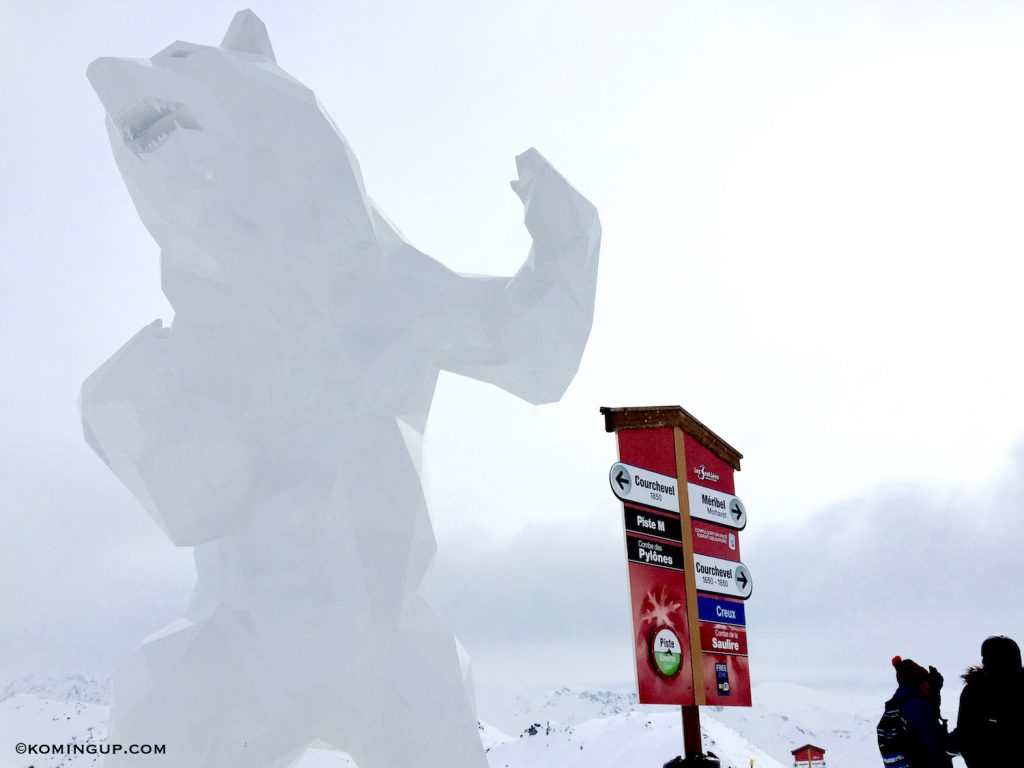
(692, 746)
(689, 573)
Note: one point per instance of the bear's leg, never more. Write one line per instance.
(199, 690)
(419, 711)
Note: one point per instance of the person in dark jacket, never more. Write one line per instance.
(918, 698)
(990, 725)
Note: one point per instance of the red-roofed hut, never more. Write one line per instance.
(809, 756)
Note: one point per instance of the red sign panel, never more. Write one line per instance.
(664, 674)
(657, 587)
(723, 638)
(652, 449)
(726, 680)
(715, 540)
(726, 673)
(705, 468)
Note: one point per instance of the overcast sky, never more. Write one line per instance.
(812, 242)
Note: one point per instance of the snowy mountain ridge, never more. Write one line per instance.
(569, 705)
(77, 688)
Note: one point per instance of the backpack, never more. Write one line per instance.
(893, 737)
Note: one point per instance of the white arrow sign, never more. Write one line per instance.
(722, 577)
(641, 486)
(716, 507)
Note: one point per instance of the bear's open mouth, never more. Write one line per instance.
(146, 125)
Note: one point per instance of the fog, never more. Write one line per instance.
(811, 242)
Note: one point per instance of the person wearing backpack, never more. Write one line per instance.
(990, 723)
(911, 732)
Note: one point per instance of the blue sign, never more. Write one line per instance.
(720, 611)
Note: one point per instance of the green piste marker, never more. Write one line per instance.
(666, 652)
(668, 663)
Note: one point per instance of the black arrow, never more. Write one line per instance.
(741, 579)
(736, 512)
(622, 480)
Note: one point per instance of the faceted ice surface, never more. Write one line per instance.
(274, 426)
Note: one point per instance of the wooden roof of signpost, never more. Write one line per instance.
(670, 416)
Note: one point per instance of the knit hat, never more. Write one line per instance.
(1000, 653)
(909, 672)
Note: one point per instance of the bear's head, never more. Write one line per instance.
(233, 166)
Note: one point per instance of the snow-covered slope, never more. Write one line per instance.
(27, 718)
(788, 716)
(564, 728)
(625, 740)
(628, 740)
(783, 717)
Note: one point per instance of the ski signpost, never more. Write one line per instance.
(686, 582)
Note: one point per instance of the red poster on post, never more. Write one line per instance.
(664, 667)
(657, 587)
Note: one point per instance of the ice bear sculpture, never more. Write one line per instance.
(275, 425)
